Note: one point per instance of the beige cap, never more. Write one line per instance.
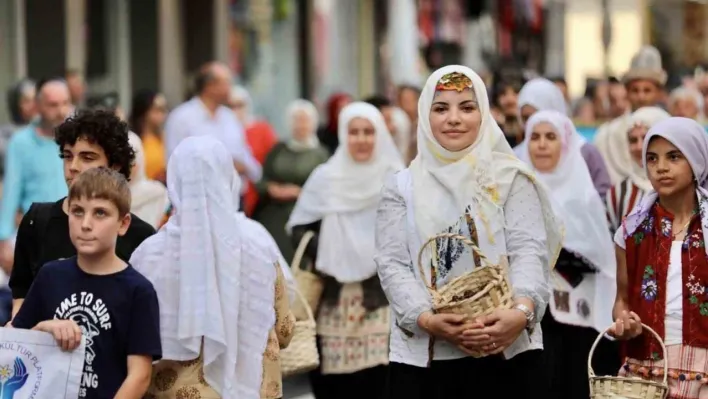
(646, 65)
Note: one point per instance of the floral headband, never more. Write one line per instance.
(454, 81)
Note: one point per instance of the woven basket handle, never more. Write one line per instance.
(302, 299)
(591, 372)
(455, 236)
(300, 251)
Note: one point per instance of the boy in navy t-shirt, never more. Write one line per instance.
(97, 295)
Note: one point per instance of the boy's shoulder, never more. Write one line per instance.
(58, 266)
(136, 281)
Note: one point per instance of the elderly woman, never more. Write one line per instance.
(624, 195)
(688, 103)
(465, 180)
(542, 95)
(285, 171)
(584, 277)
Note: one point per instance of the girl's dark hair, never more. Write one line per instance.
(500, 87)
(103, 128)
(14, 95)
(142, 102)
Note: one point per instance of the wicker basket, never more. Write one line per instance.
(309, 284)
(607, 387)
(301, 354)
(474, 294)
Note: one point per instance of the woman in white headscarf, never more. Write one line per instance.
(339, 203)
(583, 281)
(543, 95)
(624, 195)
(286, 168)
(149, 197)
(222, 296)
(465, 180)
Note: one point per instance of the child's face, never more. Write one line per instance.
(94, 225)
(667, 168)
(81, 156)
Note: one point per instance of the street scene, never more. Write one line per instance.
(327, 199)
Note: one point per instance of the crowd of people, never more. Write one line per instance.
(165, 238)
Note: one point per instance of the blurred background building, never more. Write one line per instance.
(285, 49)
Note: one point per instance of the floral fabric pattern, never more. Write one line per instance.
(698, 294)
(649, 285)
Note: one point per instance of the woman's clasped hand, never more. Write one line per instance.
(489, 334)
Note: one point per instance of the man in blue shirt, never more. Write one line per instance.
(33, 171)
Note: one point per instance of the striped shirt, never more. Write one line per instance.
(620, 200)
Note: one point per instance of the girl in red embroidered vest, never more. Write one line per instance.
(662, 266)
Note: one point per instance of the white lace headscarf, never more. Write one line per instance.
(215, 283)
(480, 175)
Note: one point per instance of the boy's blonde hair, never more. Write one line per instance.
(102, 183)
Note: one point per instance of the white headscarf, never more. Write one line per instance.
(215, 282)
(647, 116)
(241, 93)
(577, 204)
(344, 194)
(543, 95)
(149, 197)
(311, 141)
(688, 93)
(480, 175)
(402, 138)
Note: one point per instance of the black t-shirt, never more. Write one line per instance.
(118, 314)
(31, 251)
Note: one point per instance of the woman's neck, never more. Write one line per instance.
(681, 204)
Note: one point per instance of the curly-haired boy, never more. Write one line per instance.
(87, 140)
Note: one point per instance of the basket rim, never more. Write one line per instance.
(475, 249)
(591, 372)
(476, 297)
(630, 379)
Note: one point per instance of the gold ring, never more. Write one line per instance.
(494, 344)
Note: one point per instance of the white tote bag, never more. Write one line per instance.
(32, 366)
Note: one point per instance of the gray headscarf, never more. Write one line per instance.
(691, 139)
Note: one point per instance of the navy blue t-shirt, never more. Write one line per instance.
(118, 314)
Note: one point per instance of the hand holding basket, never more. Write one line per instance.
(474, 294)
(608, 387)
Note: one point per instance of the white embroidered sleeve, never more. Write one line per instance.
(404, 289)
(526, 244)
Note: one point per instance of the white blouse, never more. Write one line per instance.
(397, 243)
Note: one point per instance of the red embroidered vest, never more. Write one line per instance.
(648, 252)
